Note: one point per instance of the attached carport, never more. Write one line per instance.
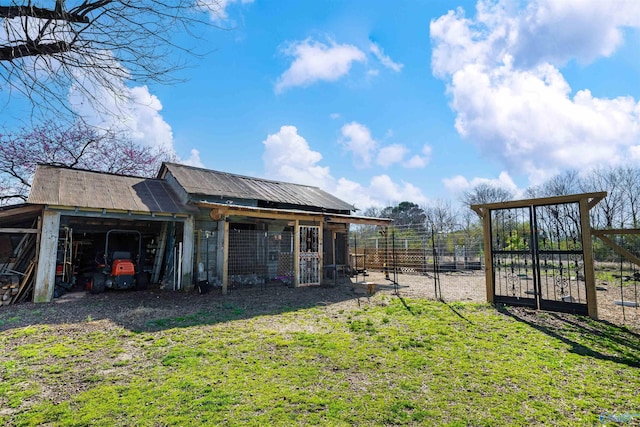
(86, 205)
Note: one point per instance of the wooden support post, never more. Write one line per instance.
(488, 256)
(587, 250)
(321, 252)
(225, 256)
(162, 243)
(37, 252)
(187, 253)
(198, 251)
(46, 272)
(219, 251)
(296, 254)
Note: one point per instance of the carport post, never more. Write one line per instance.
(296, 254)
(46, 270)
(187, 253)
(223, 254)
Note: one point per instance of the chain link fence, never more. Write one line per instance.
(420, 262)
(414, 261)
(450, 265)
(618, 279)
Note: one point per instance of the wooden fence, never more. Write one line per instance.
(413, 261)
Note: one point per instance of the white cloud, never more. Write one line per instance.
(146, 122)
(459, 183)
(418, 161)
(218, 8)
(334, 116)
(315, 61)
(381, 191)
(391, 154)
(456, 184)
(136, 112)
(510, 97)
(194, 159)
(133, 111)
(558, 31)
(384, 59)
(357, 139)
(288, 157)
(355, 194)
(387, 189)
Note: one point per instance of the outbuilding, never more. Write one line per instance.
(188, 226)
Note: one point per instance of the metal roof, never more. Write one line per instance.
(205, 182)
(61, 186)
(250, 211)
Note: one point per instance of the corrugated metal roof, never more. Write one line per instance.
(86, 189)
(197, 181)
(251, 211)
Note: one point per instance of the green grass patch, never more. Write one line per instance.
(393, 362)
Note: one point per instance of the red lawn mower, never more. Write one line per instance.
(119, 269)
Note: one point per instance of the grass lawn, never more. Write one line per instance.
(385, 362)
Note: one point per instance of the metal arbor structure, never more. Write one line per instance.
(538, 253)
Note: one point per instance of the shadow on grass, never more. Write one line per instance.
(153, 310)
(404, 303)
(452, 308)
(587, 337)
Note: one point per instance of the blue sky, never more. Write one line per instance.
(379, 102)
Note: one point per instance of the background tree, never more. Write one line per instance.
(486, 193)
(562, 184)
(48, 47)
(630, 180)
(405, 214)
(609, 213)
(76, 146)
(441, 216)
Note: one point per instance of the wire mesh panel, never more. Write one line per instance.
(259, 257)
(281, 256)
(206, 256)
(309, 255)
(419, 258)
(411, 250)
(617, 275)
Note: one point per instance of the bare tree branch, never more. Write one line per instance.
(17, 11)
(20, 51)
(86, 45)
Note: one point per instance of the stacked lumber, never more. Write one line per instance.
(8, 290)
(17, 278)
